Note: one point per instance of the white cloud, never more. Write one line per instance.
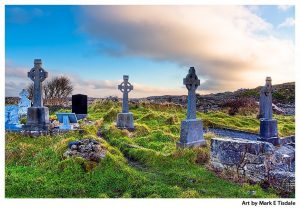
(230, 46)
(284, 7)
(16, 80)
(288, 22)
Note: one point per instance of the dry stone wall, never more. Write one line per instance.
(255, 161)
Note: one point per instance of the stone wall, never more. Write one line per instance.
(254, 162)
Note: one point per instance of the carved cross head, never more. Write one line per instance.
(125, 86)
(191, 80)
(37, 73)
(268, 86)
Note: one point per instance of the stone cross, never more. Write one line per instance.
(24, 102)
(37, 74)
(24, 93)
(125, 87)
(265, 100)
(191, 82)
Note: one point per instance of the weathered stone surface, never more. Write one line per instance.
(37, 119)
(37, 115)
(254, 161)
(12, 118)
(191, 133)
(87, 148)
(80, 105)
(268, 131)
(125, 121)
(68, 120)
(191, 82)
(265, 100)
(24, 103)
(283, 180)
(268, 126)
(125, 87)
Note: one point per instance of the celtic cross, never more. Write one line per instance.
(125, 87)
(37, 74)
(191, 82)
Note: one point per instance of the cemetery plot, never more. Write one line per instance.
(110, 156)
(142, 163)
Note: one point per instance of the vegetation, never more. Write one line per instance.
(283, 93)
(139, 164)
(55, 91)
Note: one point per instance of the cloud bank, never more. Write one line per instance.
(230, 46)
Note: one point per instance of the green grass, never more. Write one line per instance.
(139, 164)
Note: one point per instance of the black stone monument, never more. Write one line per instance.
(79, 105)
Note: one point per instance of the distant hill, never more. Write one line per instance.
(283, 97)
(284, 94)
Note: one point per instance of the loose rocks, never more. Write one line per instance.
(87, 148)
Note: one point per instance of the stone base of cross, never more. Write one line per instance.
(191, 134)
(37, 115)
(125, 121)
(268, 131)
(37, 119)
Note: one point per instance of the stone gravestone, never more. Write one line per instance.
(37, 115)
(268, 125)
(24, 103)
(79, 105)
(191, 133)
(66, 120)
(12, 118)
(125, 119)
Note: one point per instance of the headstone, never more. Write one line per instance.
(268, 125)
(66, 119)
(80, 105)
(24, 103)
(191, 133)
(37, 115)
(12, 118)
(125, 119)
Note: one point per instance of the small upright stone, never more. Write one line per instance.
(12, 122)
(268, 125)
(191, 133)
(125, 119)
(80, 105)
(37, 115)
(24, 103)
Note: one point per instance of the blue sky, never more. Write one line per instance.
(96, 45)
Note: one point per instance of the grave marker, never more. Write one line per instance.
(12, 118)
(191, 133)
(37, 115)
(125, 119)
(66, 119)
(268, 125)
(80, 105)
(24, 103)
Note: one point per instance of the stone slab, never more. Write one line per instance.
(268, 131)
(125, 121)
(81, 116)
(191, 133)
(37, 119)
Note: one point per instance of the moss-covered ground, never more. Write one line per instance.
(139, 164)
